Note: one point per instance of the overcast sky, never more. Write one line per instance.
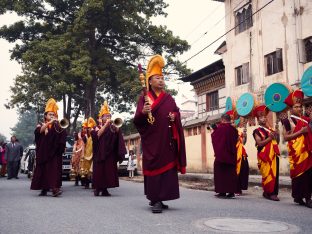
(189, 20)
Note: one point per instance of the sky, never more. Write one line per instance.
(199, 22)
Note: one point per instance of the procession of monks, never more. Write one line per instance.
(99, 146)
(231, 164)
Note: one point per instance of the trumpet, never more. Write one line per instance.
(117, 122)
(64, 123)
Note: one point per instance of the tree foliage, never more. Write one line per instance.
(24, 128)
(82, 51)
(2, 138)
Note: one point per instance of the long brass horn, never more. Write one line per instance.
(117, 121)
(64, 123)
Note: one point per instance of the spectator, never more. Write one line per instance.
(2, 159)
(13, 155)
(131, 166)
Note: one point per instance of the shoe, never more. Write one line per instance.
(230, 195)
(299, 201)
(265, 195)
(221, 195)
(163, 206)
(157, 208)
(16, 178)
(274, 198)
(43, 193)
(309, 203)
(96, 192)
(105, 193)
(57, 193)
(9, 178)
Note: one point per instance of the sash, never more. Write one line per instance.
(267, 162)
(300, 159)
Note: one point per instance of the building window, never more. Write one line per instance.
(243, 18)
(242, 74)
(308, 49)
(274, 62)
(212, 101)
(201, 104)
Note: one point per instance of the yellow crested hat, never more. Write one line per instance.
(104, 109)
(154, 67)
(91, 122)
(51, 106)
(85, 123)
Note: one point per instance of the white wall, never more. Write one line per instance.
(276, 26)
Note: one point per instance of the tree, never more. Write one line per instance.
(82, 51)
(24, 128)
(2, 138)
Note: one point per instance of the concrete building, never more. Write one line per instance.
(267, 42)
(209, 85)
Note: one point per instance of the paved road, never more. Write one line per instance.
(78, 211)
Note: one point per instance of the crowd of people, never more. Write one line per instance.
(100, 146)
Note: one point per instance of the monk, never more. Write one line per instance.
(224, 140)
(108, 149)
(163, 143)
(86, 160)
(242, 165)
(298, 134)
(50, 145)
(268, 161)
(78, 154)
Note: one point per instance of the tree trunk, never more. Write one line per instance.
(90, 98)
(76, 115)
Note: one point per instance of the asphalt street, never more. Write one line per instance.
(127, 211)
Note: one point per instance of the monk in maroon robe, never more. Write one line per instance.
(108, 149)
(224, 139)
(50, 145)
(162, 142)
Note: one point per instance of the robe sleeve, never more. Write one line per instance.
(37, 134)
(62, 142)
(181, 141)
(121, 147)
(140, 119)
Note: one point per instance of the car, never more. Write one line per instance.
(31, 163)
(67, 155)
(27, 153)
(122, 167)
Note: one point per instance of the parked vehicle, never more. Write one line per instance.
(122, 167)
(66, 165)
(28, 153)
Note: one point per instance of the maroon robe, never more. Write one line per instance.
(49, 151)
(108, 149)
(163, 148)
(224, 139)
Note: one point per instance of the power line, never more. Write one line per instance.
(216, 24)
(227, 32)
(201, 22)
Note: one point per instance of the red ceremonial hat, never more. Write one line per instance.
(294, 97)
(231, 113)
(260, 111)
